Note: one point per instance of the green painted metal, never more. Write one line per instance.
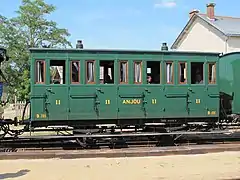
(229, 82)
(123, 101)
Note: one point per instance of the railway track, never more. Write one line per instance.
(114, 153)
(116, 141)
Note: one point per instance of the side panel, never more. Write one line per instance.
(107, 101)
(155, 101)
(38, 103)
(131, 102)
(176, 102)
(83, 102)
(57, 102)
(197, 101)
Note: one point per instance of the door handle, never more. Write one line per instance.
(49, 89)
(100, 90)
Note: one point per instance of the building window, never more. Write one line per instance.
(137, 72)
(123, 70)
(75, 72)
(212, 73)
(169, 73)
(90, 72)
(182, 72)
(40, 72)
(197, 72)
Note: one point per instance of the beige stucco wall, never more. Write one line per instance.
(233, 44)
(202, 37)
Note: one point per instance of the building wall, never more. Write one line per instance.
(233, 44)
(202, 37)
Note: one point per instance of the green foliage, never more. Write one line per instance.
(30, 29)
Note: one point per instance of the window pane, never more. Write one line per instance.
(90, 72)
(123, 72)
(106, 72)
(75, 72)
(137, 72)
(57, 71)
(40, 72)
(153, 72)
(197, 72)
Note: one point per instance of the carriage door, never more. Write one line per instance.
(57, 91)
(131, 97)
(197, 91)
(106, 90)
(154, 91)
(212, 90)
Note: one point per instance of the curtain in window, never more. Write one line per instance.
(40, 71)
(169, 73)
(124, 72)
(90, 71)
(138, 75)
(213, 73)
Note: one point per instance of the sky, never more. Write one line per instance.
(125, 24)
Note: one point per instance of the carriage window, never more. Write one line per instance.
(57, 71)
(106, 72)
(197, 72)
(211, 73)
(90, 70)
(40, 72)
(182, 73)
(123, 72)
(137, 72)
(169, 72)
(75, 72)
(153, 72)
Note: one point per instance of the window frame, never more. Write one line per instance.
(179, 68)
(167, 62)
(135, 62)
(203, 73)
(65, 71)
(94, 71)
(119, 70)
(44, 71)
(160, 73)
(79, 72)
(215, 73)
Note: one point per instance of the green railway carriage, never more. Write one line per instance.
(87, 87)
(229, 83)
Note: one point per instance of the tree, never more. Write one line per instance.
(30, 29)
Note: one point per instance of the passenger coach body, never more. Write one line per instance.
(87, 87)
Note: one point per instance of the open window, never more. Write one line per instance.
(137, 72)
(106, 72)
(182, 72)
(123, 72)
(90, 72)
(75, 72)
(40, 72)
(212, 73)
(197, 72)
(169, 72)
(153, 72)
(57, 72)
